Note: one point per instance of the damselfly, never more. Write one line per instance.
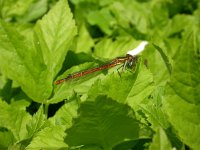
(127, 61)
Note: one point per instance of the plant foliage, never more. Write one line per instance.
(154, 105)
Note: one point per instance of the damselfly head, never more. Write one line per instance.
(131, 60)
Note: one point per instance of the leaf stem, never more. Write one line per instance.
(46, 109)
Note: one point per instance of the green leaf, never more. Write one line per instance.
(23, 11)
(12, 8)
(88, 1)
(84, 40)
(160, 141)
(83, 8)
(18, 65)
(142, 88)
(182, 7)
(37, 123)
(175, 26)
(73, 59)
(184, 117)
(133, 144)
(3, 82)
(105, 2)
(107, 48)
(49, 138)
(143, 16)
(6, 90)
(157, 60)
(35, 69)
(66, 113)
(117, 88)
(165, 58)
(36, 9)
(6, 139)
(152, 108)
(103, 19)
(185, 78)
(104, 123)
(37, 49)
(14, 119)
(20, 104)
(54, 35)
(131, 88)
(20, 100)
(127, 13)
(182, 93)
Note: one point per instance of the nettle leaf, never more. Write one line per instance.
(36, 9)
(133, 144)
(130, 88)
(113, 86)
(64, 119)
(6, 139)
(84, 40)
(14, 120)
(52, 136)
(103, 19)
(142, 88)
(152, 108)
(184, 117)
(107, 48)
(12, 8)
(104, 123)
(66, 113)
(35, 65)
(156, 59)
(185, 78)
(37, 123)
(133, 13)
(17, 57)
(175, 26)
(54, 35)
(165, 58)
(23, 10)
(182, 93)
(49, 138)
(160, 141)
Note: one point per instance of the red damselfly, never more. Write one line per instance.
(127, 61)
